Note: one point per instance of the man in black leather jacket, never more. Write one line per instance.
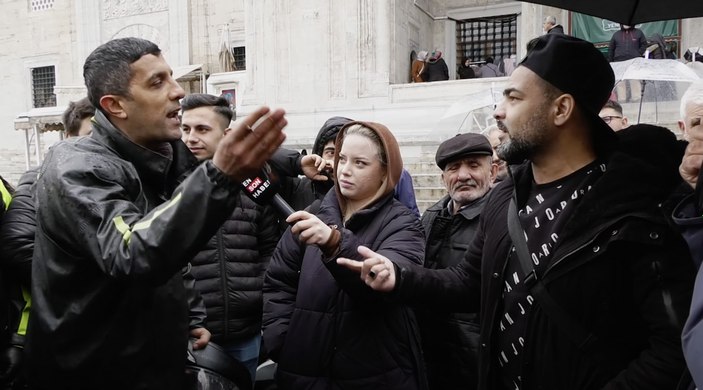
(119, 214)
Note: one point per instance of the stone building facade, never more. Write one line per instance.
(315, 58)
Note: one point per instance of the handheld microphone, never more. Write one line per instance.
(262, 190)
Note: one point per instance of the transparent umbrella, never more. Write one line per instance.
(471, 113)
(661, 84)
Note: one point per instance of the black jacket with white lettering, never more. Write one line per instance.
(620, 270)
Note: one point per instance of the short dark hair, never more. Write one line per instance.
(106, 70)
(489, 60)
(218, 103)
(613, 105)
(74, 115)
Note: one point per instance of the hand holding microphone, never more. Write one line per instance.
(262, 190)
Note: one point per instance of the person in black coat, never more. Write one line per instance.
(435, 68)
(550, 25)
(323, 326)
(229, 269)
(600, 297)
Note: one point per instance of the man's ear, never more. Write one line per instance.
(563, 108)
(625, 122)
(494, 172)
(227, 130)
(112, 105)
(682, 127)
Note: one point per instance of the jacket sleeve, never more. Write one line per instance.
(286, 162)
(401, 240)
(693, 333)
(690, 225)
(662, 279)
(18, 228)
(94, 202)
(197, 312)
(280, 289)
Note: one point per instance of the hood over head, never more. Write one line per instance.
(394, 161)
(328, 132)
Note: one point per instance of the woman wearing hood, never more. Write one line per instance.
(322, 324)
(418, 66)
(435, 68)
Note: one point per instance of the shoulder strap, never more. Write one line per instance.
(585, 340)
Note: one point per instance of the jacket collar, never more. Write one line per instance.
(469, 212)
(646, 186)
(150, 164)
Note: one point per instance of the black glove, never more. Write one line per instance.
(11, 359)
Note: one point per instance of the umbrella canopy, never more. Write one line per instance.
(471, 113)
(660, 89)
(655, 70)
(631, 12)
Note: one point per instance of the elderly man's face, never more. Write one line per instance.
(692, 122)
(468, 178)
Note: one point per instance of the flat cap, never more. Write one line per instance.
(462, 145)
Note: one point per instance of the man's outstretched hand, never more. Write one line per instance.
(244, 150)
(375, 270)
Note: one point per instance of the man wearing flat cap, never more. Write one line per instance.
(580, 280)
(450, 340)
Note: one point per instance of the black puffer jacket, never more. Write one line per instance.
(229, 271)
(115, 226)
(621, 271)
(324, 326)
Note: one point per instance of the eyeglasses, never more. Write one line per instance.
(609, 118)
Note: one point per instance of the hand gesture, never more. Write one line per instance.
(244, 150)
(691, 162)
(312, 166)
(375, 270)
(309, 228)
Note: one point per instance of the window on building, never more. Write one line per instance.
(240, 57)
(43, 82)
(479, 38)
(41, 5)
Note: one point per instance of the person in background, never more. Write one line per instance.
(435, 68)
(318, 171)
(687, 216)
(627, 43)
(465, 70)
(418, 67)
(611, 113)
(324, 326)
(450, 340)
(121, 214)
(580, 285)
(76, 118)
(550, 26)
(489, 69)
(229, 269)
(17, 241)
(12, 331)
(497, 137)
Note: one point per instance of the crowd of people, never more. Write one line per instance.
(564, 254)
